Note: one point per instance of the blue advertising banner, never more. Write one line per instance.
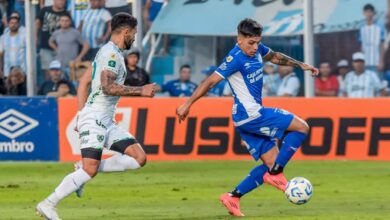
(28, 128)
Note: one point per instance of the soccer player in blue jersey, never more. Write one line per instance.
(260, 127)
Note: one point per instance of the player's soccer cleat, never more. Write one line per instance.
(231, 203)
(278, 181)
(79, 192)
(46, 210)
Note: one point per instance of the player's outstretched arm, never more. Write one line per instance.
(110, 87)
(202, 89)
(284, 60)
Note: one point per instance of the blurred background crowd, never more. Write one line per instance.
(353, 63)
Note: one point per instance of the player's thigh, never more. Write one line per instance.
(122, 141)
(92, 136)
(272, 123)
(298, 124)
(256, 144)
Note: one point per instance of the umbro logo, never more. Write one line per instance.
(14, 124)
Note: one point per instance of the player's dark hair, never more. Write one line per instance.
(14, 18)
(185, 66)
(369, 7)
(123, 20)
(249, 28)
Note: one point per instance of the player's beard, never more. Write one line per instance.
(128, 43)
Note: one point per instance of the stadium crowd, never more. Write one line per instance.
(70, 33)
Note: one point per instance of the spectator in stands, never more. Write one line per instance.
(116, 6)
(77, 9)
(55, 77)
(45, 3)
(290, 83)
(63, 90)
(136, 76)
(3, 18)
(22, 29)
(182, 86)
(326, 84)
(342, 70)
(16, 83)
(372, 38)
(151, 10)
(46, 23)
(361, 82)
(271, 80)
(219, 90)
(65, 42)
(95, 27)
(12, 48)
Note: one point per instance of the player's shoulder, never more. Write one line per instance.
(110, 50)
(234, 55)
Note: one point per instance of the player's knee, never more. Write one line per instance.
(91, 171)
(304, 127)
(141, 159)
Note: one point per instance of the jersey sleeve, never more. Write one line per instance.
(110, 61)
(228, 67)
(264, 50)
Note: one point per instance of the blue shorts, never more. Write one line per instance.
(261, 133)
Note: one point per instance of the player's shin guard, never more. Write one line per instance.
(252, 181)
(69, 185)
(118, 163)
(290, 145)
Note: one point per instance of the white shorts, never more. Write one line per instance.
(98, 129)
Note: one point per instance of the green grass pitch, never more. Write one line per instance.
(189, 190)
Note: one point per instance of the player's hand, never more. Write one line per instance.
(148, 90)
(182, 112)
(307, 67)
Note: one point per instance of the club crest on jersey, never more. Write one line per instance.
(112, 63)
(100, 138)
(229, 59)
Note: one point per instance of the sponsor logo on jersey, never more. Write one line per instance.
(223, 66)
(112, 63)
(84, 133)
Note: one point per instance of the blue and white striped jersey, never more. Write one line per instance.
(94, 24)
(14, 51)
(365, 85)
(77, 9)
(245, 77)
(371, 37)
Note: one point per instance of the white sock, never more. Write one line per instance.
(68, 185)
(117, 163)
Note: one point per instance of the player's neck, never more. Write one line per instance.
(118, 42)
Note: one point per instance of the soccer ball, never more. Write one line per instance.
(299, 190)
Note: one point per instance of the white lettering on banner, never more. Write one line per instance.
(73, 137)
(16, 147)
(14, 124)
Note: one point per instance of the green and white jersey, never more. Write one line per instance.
(109, 58)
